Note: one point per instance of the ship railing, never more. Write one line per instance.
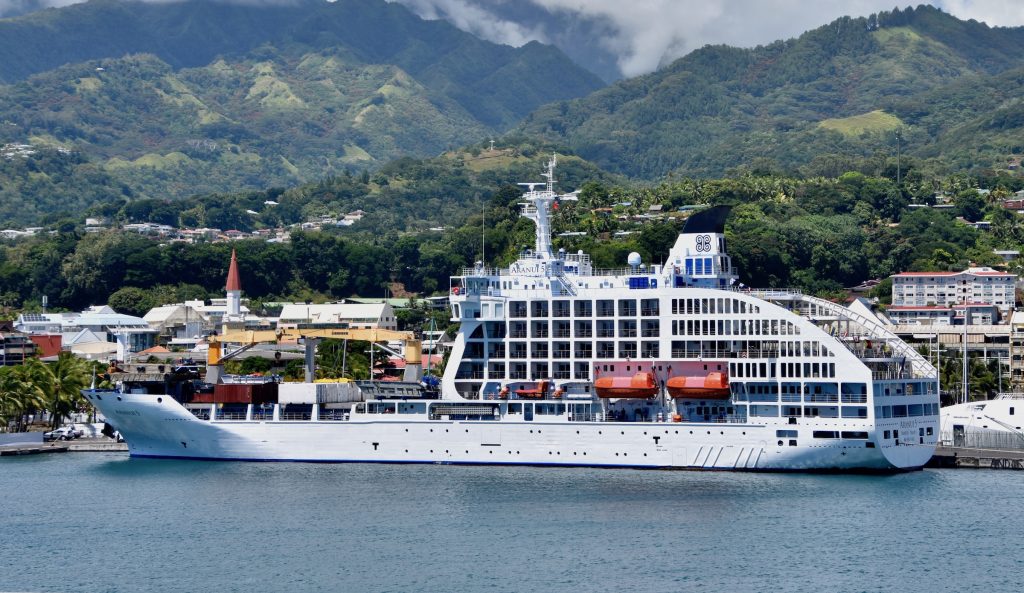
(717, 419)
(333, 415)
(481, 272)
(230, 416)
(470, 375)
(650, 333)
(585, 333)
(999, 441)
(203, 414)
(582, 375)
(262, 416)
(891, 375)
(563, 333)
(297, 416)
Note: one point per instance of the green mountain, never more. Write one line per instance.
(811, 104)
(175, 99)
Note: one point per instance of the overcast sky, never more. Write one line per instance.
(644, 34)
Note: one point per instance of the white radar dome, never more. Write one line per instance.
(634, 259)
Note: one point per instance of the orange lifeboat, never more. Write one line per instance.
(640, 386)
(710, 386)
(537, 392)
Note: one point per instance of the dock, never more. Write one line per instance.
(965, 458)
(77, 446)
(32, 449)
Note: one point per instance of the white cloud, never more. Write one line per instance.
(646, 34)
(477, 19)
(996, 13)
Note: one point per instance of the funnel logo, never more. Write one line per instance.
(703, 243)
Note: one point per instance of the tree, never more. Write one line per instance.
(18, 396)
(61, 384)
(131, 300)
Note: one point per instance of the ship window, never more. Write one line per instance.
(887, 435)
(1011, 410)
(855, 435)
(826, 434)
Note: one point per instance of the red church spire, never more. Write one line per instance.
(234, 283)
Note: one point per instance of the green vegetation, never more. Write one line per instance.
(834, 95)
(819, 234)
(170, 100)
(37, 386)
(855, 125)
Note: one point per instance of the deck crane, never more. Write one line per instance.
(215, 357)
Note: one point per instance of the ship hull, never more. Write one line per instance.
(165, 429)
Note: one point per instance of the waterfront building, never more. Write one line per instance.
(978, 285)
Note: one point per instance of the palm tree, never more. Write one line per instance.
(61, 384)
(19, 395)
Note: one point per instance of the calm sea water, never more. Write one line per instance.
(103, 522)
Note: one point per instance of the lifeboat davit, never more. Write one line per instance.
(710, 386)
(640, 386)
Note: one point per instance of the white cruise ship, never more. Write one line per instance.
(558, 363)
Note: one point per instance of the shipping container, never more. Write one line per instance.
(319, 393)
(229, 393)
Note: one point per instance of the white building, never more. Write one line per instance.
(946, 289)
(101, 322)
(356, 315)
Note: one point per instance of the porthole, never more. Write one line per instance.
(159, 400)
(119, 398)
(780, 443)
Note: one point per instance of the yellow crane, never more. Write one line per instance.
(215, 357)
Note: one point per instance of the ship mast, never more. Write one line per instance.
(537, 205)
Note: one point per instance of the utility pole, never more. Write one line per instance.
(898, 156)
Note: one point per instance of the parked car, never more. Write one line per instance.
(64, 433)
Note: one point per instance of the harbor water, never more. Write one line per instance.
(100, 522)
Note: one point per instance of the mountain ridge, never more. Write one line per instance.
(722, 107)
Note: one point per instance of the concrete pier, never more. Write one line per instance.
(958, 457)
(32, 449)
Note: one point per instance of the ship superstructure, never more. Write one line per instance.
(671, 365)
